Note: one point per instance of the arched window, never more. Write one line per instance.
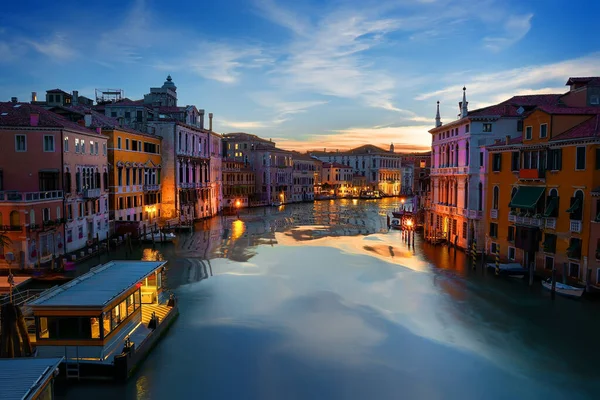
(455, 194)
(456, 155)
(58, 212)
(467, 154)
(78, 181)
(466, 200)
(15, 219)
(495, 197)
(97, 183)
(480, 197)
(105, 180)
(32, 217)
(67, 181)
(576, 208)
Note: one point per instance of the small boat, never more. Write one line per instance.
(513, 270)
(396, 223)
(160, 237)
(564, 289)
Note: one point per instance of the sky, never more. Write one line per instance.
(309, 74)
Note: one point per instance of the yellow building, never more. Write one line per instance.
(539, 191)
(135, 178)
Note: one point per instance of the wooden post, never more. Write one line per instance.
(553, 287)
(497, 259)
(531, 271)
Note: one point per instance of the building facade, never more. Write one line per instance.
(458, 166)
(303, 177)
(238, 184)
(382, 169)
(337, 179)
(547, 177)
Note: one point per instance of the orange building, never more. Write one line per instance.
(539, 192)
(238, 184)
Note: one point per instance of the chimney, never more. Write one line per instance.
(201, 118)
(34, 118)
(75, 100)
(14, 99)
(507, 139)
(210, 117)
(88, 119)
(99, 130)
(33, 96)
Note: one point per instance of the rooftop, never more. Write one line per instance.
(21, 378)
(593, 80)
(586, 129)
(19, 115)
(99, 286)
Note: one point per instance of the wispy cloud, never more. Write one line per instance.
(405, 138)
(485, 88)
(515, 29)
(243, 124)
(57, 48)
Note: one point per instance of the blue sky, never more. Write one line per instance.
(309, 74)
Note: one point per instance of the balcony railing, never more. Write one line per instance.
(31, 196)
(187, 185)
(494, 214)
(575, 226)
(151, 188)
(91, 193)
(512, 217)
(551, 223)
(532, 174)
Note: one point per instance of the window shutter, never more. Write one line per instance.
(559, 166)
(598, 158)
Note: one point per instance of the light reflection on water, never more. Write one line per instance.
(321, 301)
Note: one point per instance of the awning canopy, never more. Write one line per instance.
(550, 207)
(527, 197)
(575, 206)
(574, 247)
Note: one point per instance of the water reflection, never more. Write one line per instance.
(321, 301)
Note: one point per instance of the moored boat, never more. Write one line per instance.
(514, 270)
(160, 237)
(396, 223)
(564, 289)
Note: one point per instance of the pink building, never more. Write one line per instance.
(31, 183)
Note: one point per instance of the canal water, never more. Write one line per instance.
(320, 301)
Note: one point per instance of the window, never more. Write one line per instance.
(464, 228)
(549, 263)
(103, 149)
(580, 158)
(495, 197)
(493, 230)
(497, 162)
(66, 144)
(20, 143)
(51, 98)
(113, 114)
(118, 143)
(481, 159)
(467, 128)
(48, 180)
(519, 126)
(543, 131)
(494, 248)
(549, 243)
(487, 127)
(574, 249)
(127, 114)
(511, 253)
(573, 270)
(126, 144)
(511, 234)
(515, 161)
(91, 147)
(595, 99)
(76, 145)
(49, 143)
(46, 214)
(556, 159)
(96, 148)
(82, 146)
(528, 132)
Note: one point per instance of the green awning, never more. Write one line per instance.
(527, 197)
(575, 206)
(598, 217)
(551, 207)
(574, 247)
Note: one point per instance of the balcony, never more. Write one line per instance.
(551, 223)
(494, 214)
(474, 214)
(512, 218)
(91, 193)
(532, 174)
(30, 196)
(187, 185)
(151, 188)
(575, 226)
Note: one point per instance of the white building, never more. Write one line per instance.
(458, 165)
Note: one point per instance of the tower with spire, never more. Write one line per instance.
(438, 121)
(462, 106)
(392, 148)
